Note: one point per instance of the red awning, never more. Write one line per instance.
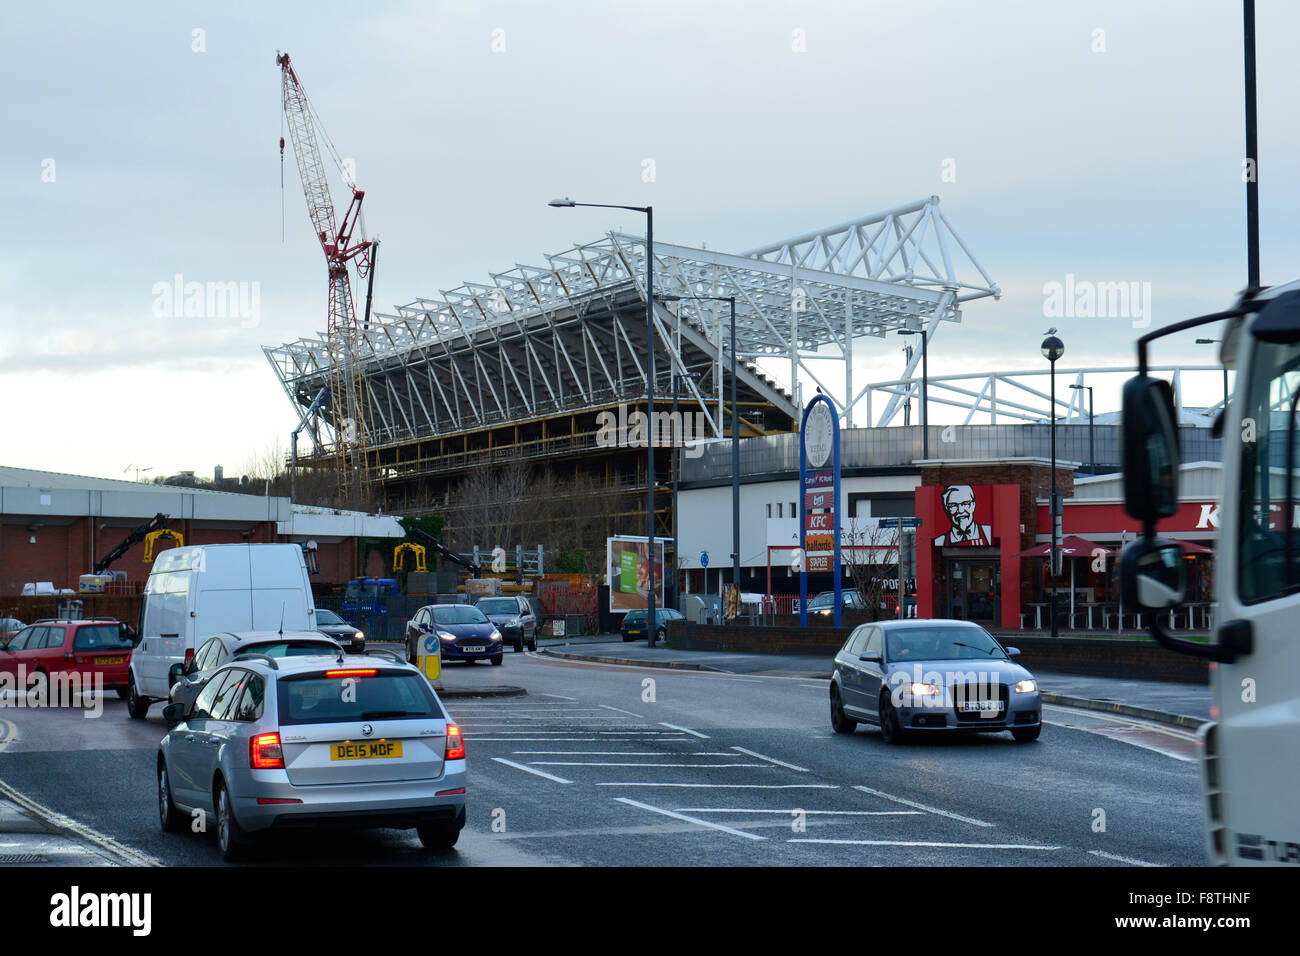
(1191, 547)
(1072, 546)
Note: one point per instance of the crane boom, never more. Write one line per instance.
(342, 332)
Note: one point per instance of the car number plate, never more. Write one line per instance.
(474, 648)
(982, 706)
(366, 750)
(105, 661)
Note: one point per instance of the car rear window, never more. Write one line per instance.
(387, 695)
(498, 606)
(100, 637)
(289, 649)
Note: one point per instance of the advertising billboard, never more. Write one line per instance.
(629, 573)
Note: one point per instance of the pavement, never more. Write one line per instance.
(1180, 705)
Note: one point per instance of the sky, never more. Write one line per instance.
(140, 143)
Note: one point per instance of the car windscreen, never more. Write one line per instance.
(324, 616)
(822, 600)
(100, 637)
(289, 648)
(345, 695)
(459, 614)
(941, 643)
(498, 606)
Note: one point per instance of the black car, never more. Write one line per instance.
(331, 625)
(633, 626)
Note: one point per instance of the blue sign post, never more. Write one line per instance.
(819, 490)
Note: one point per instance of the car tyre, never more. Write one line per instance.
(661, 635)
(532, 642)
(891, 731)
(841, 723)
(438, 836)
(519, 643)
(168, 816)
(496, 661)
(1026, 734)
(136, 706)
(232, 841)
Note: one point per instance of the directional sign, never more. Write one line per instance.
(907, 522)
(704, 559)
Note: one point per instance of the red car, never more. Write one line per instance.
(65, 647)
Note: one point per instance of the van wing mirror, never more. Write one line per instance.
(1153, 574)
(1149, 449)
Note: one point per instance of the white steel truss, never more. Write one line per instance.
(571, 335)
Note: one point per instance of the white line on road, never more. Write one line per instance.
(601, 763)
(823, 813)
(619, 710)
(779, 763)
(681, 816)
(129, 855)
(1121, 859)
(922, 806)
(11, 734)
(685, 730)
(559, 696)
(731, 786)
(548, 740)
(954, 846)
(540, 773)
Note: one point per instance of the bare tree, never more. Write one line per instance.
(872, 561)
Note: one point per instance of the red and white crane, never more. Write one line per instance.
(342, 333)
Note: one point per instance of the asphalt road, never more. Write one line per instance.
(613, 765)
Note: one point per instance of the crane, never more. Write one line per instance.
(336, 239)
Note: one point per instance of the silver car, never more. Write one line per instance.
(308, 742)
(932, 675)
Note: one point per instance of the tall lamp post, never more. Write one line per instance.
(735, 433)
(1053, 348)
(1225, 369)
(1092, 448)
(925, 385)
(651, 622)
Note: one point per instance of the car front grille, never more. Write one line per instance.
(980, 691)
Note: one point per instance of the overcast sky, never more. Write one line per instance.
(140, 142)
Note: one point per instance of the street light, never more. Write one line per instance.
(925, 384)
(1225, 371)
(735, 434)
(651, 622)
(1053, 348)
(1092, 449)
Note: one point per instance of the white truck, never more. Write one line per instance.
(1251, 751)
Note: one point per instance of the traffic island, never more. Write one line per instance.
(490, 690)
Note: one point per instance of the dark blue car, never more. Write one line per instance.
(464, 632)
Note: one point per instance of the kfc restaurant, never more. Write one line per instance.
(982, 548)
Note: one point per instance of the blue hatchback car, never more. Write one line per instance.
(464, 631)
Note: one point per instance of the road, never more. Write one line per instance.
(612, 765)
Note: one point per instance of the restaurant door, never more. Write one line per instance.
(975, 590)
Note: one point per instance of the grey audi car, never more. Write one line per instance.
(313, 742)
(932, 675)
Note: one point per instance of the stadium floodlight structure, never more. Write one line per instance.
(537, 340)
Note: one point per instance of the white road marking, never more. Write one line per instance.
(540, 773)
(1122, 859)
(129, 855)
(621, 711)
(11, 734)
(813, 686)
(560, 696)
(595, 753)
(954, 846)
(1120, 719)
(549, 740)
(686, 730)
(731, 786)
(601, 763)
(779, 763)
(681, 816)
(823, 813)
(922, 806)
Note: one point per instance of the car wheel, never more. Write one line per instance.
(1025, 735)
(840, 722)
(532, 642)
(891, 731)
(231, 839)
(661, 635)
(438, 836)
(519, 643)
(168, 815)
(626, 639)
(136, 705)
(496, 661)
(121, 692)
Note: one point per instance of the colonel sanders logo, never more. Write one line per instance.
(959, 506)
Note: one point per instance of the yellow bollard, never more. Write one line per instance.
(430, 657)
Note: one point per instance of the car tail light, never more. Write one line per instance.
(459, 791)
(455, 743)
(274, 802)
(353, 672)
(189, 653)
(265, 753)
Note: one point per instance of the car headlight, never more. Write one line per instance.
(495, 635)
(1026, 686)
(925, 690)
(360, 636)
(446, 635)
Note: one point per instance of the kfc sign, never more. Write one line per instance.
(969, 510)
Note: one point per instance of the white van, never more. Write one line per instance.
(197, 591)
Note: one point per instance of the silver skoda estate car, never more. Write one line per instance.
(932, 675)
(346, 741)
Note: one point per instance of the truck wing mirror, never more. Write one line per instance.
(1149, 449)
(1153, 574)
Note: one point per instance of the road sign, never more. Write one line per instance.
(704, 559)
(907, 522)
